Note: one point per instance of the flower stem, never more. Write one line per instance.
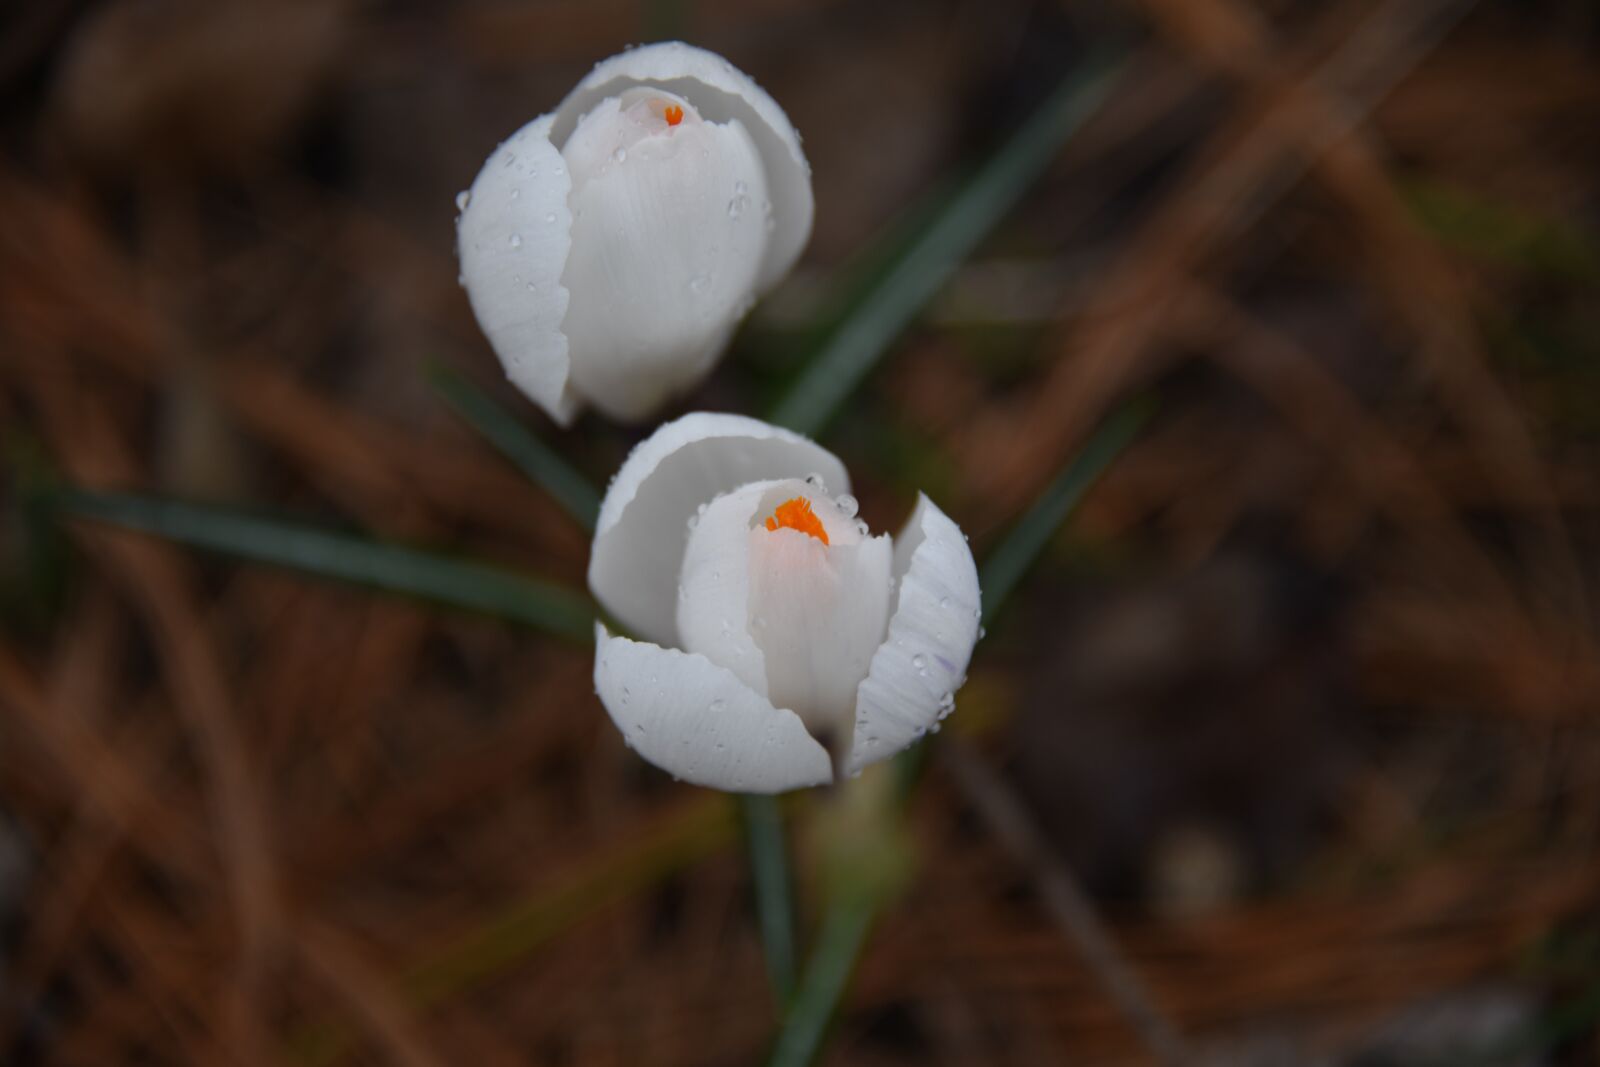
(839, 943)
(769, 870)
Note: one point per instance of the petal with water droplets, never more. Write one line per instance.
(932, 630)
(644, 519)
(698, 722)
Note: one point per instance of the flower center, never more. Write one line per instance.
(673, 114)
(796, 514)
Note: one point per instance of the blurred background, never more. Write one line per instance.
(1304, 696)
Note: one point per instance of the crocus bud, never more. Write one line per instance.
(782, 643)
(610, 247)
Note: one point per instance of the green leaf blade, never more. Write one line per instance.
(543, 466)
(856, 345)
(458, 583)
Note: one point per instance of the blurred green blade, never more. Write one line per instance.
(1012, 557)
(532, 456)
(852, 349)
(769, 870)
(458, 583)
(839, 944)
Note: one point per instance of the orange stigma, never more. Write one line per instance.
(796, 514)
(673, 114)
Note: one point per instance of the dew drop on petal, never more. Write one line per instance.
(718, 704)
(847, 505)
(699, 283)
(550, 217)
(516, 194)
(463, 198)
(863, 529)
(516, 240)
(920, 662)
(815, 481)
(620, 155)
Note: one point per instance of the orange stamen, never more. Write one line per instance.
(796, 514)
(673, 114)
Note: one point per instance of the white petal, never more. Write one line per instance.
(796, 619)
(720, 92)
(698, 722)
(514, 237)
(818, 614)
(664, 255)
(934, 625)
(643, 526)
(714, 585)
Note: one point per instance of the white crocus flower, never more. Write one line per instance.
(781, 642)
(610, 247)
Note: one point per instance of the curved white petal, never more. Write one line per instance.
(514, 237)
(797, 619)
(664, 253)
(818, 615)
(714, 585)
(698, 722)
(720, 92)
(932, 630)
(643, 527)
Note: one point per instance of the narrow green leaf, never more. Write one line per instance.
(769, 869)
(856, 345)
(1011, 559)
(844, 933)
(458, 583)
(543, 466)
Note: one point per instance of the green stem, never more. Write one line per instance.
(843, 935)
(769, 869)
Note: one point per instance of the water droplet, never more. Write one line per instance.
(863, 529)
(982, 633)
(699, 283)
(944, 602)
(516, 240)
(463, 198)
(560, 170)
(516, 194)
(511, 157)
(737, 205)
(620, 155)
(847, 504)
(638, 727)
(740, 188)
(550, 217)
(718, 704)
(815, 481)
(461, 280)
(920, 662)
